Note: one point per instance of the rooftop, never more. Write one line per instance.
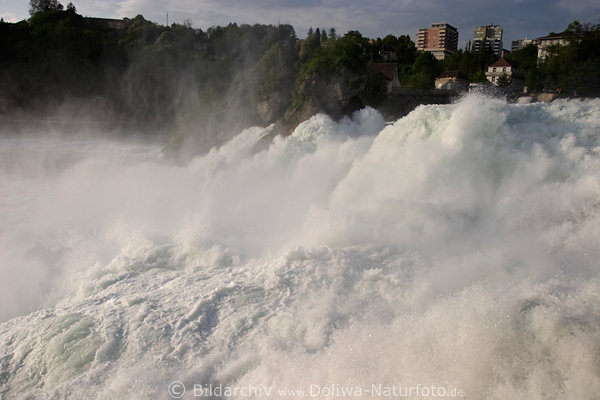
(386, 69)
(503, 62)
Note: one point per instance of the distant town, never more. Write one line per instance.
(441, 40)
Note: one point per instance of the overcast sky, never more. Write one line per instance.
(373, 18)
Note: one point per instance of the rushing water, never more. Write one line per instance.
(455, 252)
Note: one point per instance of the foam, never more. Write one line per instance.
(456, 248)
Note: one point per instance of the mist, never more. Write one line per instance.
(66, 73)
(456, 247)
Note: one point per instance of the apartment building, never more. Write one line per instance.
(544, 44)
(441, 39)
(521, 43)
(488, 36)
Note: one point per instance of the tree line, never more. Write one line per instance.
(244, 74)
(572, 70)
(139, 71)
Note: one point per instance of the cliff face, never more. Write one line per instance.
(335, 95)
(271, 108)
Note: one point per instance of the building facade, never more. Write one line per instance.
(510, 69)
(452, 80)
(488, 36)
(544, 44)
(521, 43)
(441, 39)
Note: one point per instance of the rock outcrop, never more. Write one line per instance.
(271, 108)
(335, 95)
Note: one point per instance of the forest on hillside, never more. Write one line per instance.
(59, 64)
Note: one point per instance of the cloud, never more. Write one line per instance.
(589, 8)
(12, 11)
(11, 17)
(375, 18)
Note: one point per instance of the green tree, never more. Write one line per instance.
(375, 88)
(527, 60)
(332, 34)
(574, 69)
(504, 81)
(478, 77)
(575, 32)
(323, 35)
(525, 57)
(389, 42)
(349, 51)
(37, 6)
(309, 46)
(471, 64)
(424, 71)
(406, 52)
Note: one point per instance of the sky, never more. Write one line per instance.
(373, 18)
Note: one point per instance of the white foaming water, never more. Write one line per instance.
(456, 248)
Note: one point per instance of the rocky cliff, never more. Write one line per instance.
(336, 95)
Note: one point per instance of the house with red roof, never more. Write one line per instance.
(389, 72)
(503, 70)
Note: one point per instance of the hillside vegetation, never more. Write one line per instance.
(204, 86)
